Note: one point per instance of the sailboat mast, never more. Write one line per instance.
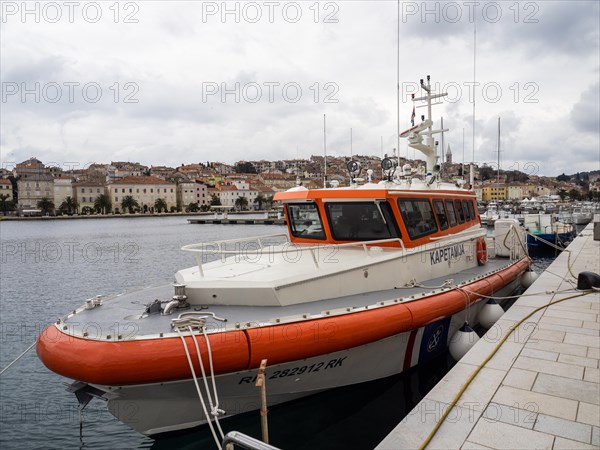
(498, 176)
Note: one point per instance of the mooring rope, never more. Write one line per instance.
(18, 357)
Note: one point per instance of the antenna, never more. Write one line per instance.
(472, 170)
(463, 156)
(324, 151)
(398, 87)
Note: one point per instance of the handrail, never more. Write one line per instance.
(244, 441)
(200, 248)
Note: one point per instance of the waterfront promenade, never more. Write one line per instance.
(541, 390)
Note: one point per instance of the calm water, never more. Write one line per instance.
(49, 267)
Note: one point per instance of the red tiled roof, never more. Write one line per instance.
(140, 180)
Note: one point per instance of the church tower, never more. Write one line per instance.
(449, 155)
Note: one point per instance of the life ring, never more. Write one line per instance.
(481, 251)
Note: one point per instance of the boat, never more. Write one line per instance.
(370, 280)
(491, 214)
(545, 233)
(582, 215)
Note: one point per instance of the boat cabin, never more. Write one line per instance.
(373, 213)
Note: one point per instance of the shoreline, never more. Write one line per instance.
(118, 216)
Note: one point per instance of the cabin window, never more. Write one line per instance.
(459, 211)
(451, 212)
(471, 209)
(440, 213)
(361, 221)
(418, 217)
(305, 221)
(466, 209)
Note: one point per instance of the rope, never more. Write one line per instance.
(18, 357)
(213, 409)
(189, 359)
(485, 361)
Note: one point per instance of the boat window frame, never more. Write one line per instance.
(451, 210)
(472, 209)
(441, 202)
(468, 217)
(406, 221)
(387, 216)
(292, 223)
(459, 210)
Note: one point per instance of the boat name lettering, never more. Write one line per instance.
(448, 253)
(316, 367)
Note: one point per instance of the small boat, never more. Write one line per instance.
(370, 280)
(544, 229)
(491, 214)
(582, 215)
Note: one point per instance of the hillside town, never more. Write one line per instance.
(32, 188)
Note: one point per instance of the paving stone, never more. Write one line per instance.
(546, 404)
(550, 367)
(596, 436)
(546, 335)
(473, 446)
(520, 378)
(564, 428)
(539, 354)
(558, 347)
(592, 375)
(588, 413)
(576, 330)
(567, 444)
(563, 314)
(579, 339)
(593, 352)
(500, 435)
(525, 418)
(578, 361)
(567, 388)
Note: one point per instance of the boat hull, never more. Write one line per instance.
(157, 408)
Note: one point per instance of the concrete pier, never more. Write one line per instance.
(541, 390)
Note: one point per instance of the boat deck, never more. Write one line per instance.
(120, 316)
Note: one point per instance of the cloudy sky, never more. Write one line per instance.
(179, 82)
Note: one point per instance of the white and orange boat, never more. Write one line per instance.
(370, 280)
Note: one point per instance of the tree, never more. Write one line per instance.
(129, 203)
(574, 194)
(562, 194)
(260, 200)
(192, 207)
(87, 210)
(46, 205)
(241, 203)
(215, 200)
(563, 177)
(160, 204)
(68, 206)
(269, 201)
(102, 204)
(5, 204)
(245, 167)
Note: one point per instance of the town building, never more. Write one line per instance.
(34, 183)
(86, 192)
(62, 189)
(145, 190)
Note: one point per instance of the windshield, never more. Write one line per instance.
(305, 221)
(361, 221)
